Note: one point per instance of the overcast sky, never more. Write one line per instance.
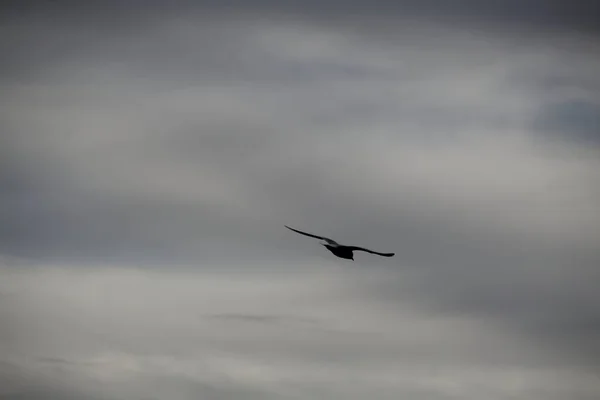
(150, 155)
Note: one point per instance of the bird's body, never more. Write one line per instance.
(339, 250)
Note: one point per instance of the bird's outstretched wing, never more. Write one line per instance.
(313, 236)
(370, 251)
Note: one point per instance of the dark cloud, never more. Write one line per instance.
(575, 120)
(579, 15)
(263, 319)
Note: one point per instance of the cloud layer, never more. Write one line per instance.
(132, 333)
(191, 136)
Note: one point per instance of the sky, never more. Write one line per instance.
(152, 152)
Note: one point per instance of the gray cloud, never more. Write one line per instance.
(115, 327)
(550, 14)
(575, 119)
(192, 139)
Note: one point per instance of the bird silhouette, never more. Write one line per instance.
(340, 250)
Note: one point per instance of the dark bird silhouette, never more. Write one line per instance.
(339, 249)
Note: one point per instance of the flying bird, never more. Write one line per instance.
(339, 249)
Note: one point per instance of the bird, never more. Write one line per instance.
(340, 250)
